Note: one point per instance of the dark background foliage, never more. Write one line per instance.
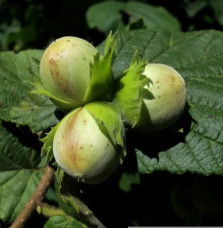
(161, 198)
(34, 23)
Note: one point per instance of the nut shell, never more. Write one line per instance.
(82, 150)
(65, 70)
(163, 99)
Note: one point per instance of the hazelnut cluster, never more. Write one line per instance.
(88, 143)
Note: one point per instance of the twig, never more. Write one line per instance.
(35, 200)
(87, 216)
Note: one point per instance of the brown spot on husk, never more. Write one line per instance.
(52, 61)
(72, 145)
(60, 81)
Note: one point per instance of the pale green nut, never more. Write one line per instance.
(164, 98)
(82, 149)
(65, 70)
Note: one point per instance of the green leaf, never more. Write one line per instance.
(16, 188)
(17, 103)
(63, 222)
(217, 6)
(148, 43)
(193, 8)
(65, 199)
(198, 58)
(59, 176)
(13, 155)
(69, 191)
(51, 196)
(47, 148)
(127, 180)
(18, 175)
(12, 89)
(101, 82)
(69, 204)
(106, 16)
(128, 97)
(37, 112)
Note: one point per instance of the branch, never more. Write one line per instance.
(36, 199)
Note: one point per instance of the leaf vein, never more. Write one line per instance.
(205, 82)
(209, 44)
(171, 45)
(215, 159)
(198, 61)
(194, 157)
(206, 137)
(2, 184)
(172, 160)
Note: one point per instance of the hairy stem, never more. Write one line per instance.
(87, 216)
(49, 211)
(35, 200)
